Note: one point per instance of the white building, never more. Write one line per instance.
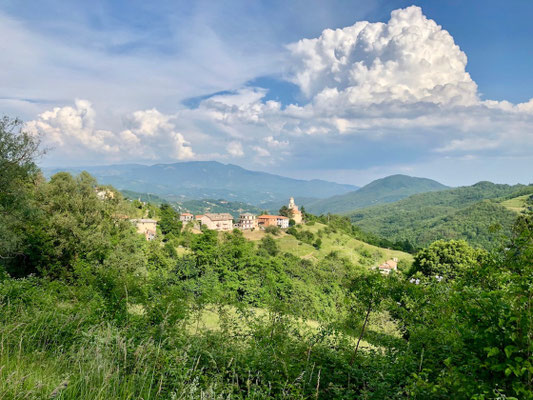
(247, 221)
(186, 217)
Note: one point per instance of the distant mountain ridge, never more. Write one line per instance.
(197, 180)
(385, 190)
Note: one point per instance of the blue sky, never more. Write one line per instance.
(441, 90)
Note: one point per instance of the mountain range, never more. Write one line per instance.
(197, 180)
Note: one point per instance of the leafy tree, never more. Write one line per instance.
(286, 212)
(447, 259)
(272, 229)
(169, 220)
(269, 246)
(18, 176)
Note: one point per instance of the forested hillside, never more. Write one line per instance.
(380, 191)
(471, 212)
(90, 309)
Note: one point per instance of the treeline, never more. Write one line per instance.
(91, 310)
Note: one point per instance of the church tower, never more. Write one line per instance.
(296, 213)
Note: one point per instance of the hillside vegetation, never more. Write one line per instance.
(471, 213)
(385, 190)
(89, 309)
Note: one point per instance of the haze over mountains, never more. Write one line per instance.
(198, 180)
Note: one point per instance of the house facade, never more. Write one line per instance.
(146, 226)
(247, 221)
(186, 217)
(216, 222)
(273, 220)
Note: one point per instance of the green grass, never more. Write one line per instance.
(517, 204)
(354, 250)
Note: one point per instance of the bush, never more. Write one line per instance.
(274, 230)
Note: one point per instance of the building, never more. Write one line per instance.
(217, 222)
(104, 194)
(247, 221)
(295, 212)
(388, 266)
(146, 226)
(273, 220)
(186, 217)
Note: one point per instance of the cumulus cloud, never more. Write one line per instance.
(409, 59)
(149, 135)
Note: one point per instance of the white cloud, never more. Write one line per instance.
(409, 59)
(274, 143)
(149, 135)
(235, 149)
(261, 151)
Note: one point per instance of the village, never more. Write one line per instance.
(224, 222)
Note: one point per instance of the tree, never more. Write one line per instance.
(18, 176)
(286, 212)
(269, 246)
(170, 220)
(447, 259)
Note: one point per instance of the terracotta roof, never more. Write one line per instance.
(272, 217)
(390, 264)
(187, 214)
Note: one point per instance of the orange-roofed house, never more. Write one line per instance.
(388, 266)
(186, 217)
(273, 220)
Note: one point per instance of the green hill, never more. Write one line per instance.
(462, 213)
(385, 190)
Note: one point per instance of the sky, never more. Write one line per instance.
(347, 91)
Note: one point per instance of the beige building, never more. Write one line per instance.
(296, 213)
(148, 227)
(216, 222)
(247, 221)
(186, 217)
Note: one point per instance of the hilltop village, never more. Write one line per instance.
(224, 221)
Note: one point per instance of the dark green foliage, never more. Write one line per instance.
(272, 229)
(269, 246)
(169, 220)
(447, 259)
(18, 175)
